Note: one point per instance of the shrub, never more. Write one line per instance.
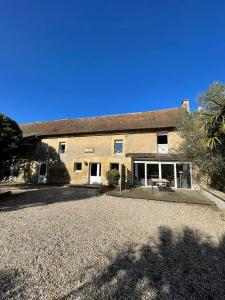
(113, 177)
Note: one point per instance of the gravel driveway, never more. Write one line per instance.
(112, 248)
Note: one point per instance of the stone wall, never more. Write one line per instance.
(100, 149)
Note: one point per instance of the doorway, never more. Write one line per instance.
(95, 173)
(42, 174)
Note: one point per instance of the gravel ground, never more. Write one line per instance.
(112, 248)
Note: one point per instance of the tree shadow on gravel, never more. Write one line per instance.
(187, 265)
(44, 195)
(12, 286)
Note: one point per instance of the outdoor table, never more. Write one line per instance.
(159, 181)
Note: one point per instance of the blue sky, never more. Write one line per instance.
(75, 58)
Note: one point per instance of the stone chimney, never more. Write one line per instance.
(201, 109)
(186, 105)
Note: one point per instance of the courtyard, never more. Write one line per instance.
(65, 243)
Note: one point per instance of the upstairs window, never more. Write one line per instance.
(162, 138)
(162, 142)
(77, 167)
(118, 147)
(62, 147)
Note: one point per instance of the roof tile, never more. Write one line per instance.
(114, 123)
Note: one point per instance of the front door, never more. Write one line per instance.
(42, 176)
(95, 173)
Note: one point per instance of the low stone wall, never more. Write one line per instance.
(216, 196)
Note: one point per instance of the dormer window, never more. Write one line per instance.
(62, 147)
(162, 142)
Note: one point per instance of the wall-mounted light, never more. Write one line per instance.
(86, 163)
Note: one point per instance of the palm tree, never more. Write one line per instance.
(213, 118)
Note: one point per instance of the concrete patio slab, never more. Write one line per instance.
(162, 194)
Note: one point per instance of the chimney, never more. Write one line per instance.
(201, 109)
(186, 105)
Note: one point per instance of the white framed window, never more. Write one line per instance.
(167, 174)
(77, 167)
(62, 147)
(118, 146)
(162, 142)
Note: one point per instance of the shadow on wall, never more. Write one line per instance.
(10, 169)
(176, 266)
(56, 169)
(26, 168)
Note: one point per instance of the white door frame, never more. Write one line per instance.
(160, 170)
(42, 178)
(95, 179)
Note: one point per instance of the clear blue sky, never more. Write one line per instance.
(74, 58)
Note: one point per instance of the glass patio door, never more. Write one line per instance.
(170, 174)
(139, 174)
(152, 173)
(183, 171)
(167, 173)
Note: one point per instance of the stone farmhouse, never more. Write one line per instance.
(143, 144)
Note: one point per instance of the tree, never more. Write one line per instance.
(204, 138)
(213, 118)
(10, 139)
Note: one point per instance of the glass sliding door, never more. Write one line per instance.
(170, 174)
(152, 173)
(183, 175)
(167, 172)
(139, 174)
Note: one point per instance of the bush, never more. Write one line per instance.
(113, 177)
(10, 140)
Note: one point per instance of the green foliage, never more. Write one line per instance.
(204, 138)
(213, 118)
(10, 138)
(113, 177)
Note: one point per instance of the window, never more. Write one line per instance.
(162, 138)
(139, 174)
(77, 167)
(114, 166)
(152, 173)
(62, 147)
(183, 175)
(162, 142)
(118, 147)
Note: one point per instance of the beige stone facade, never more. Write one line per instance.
(89, 149)
(81, 151)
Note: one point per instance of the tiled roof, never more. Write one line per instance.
(114, 123)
